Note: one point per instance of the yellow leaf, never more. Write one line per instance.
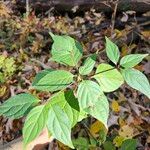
(2, 46)
(118, 141)
(124, 50)
(126, 131)
(146, 34)
(62, 146)
(4, 10)
(96, 127)
(121, 122)
(115, 106)
(2, 90)
(139, 67)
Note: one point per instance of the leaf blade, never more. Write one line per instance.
(88, 93)
(34, 124)
(132, 60)
(129, 144)
(100, 110)
(68, 103)
(52, 80)
(59, 125)
(18, 105)
(112, 51)
(137, 80)
(109, 78)
(88, 65)
(66, 50)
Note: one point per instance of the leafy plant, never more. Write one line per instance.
(78, 94)
(7, 67)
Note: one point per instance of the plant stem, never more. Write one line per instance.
(27, 8)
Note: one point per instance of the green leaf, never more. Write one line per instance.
(102, 132)
(132, 60)
(129, 144)
(88, 65)
(88, 93)
(52, 80)
(66, 50)
(108, 145)
(68, 103)
(34, 123)
(59, 125)
(81, 143)
(100, 110)
(82, 115)
(108, 77)
(18, 105)
(112, 51)
(137, 80)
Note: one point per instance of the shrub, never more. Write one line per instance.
(75, 95)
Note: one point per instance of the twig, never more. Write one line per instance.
(27, 8)
(113, 17)
(40, 63)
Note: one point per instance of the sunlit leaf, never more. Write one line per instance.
(88, 93)
(66, 50)
(108, 77)
(137, 80)
(100, 110)
(52, 80)
(18, 105)
(132, 60)
(59, 125)
(88, 65)
(34, 124)
(112, 51)
(68, 103)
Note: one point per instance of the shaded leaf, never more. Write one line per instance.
(129, 144)
(96, 127)
(108, 145)
(81, 143)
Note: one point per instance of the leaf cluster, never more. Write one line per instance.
(7, 67)
(70, 104)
